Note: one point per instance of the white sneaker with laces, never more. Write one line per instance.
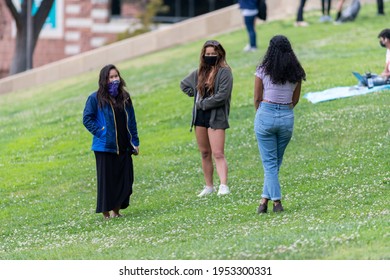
(223, 189)
(207, 190)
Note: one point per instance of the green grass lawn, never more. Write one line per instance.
(335, 177)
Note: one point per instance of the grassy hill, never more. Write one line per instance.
(335, 177)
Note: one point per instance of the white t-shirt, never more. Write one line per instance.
(388, 60)
(249, 13)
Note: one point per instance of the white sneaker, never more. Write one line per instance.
(248, 48)
(207, 190)
(301, 24)
(223, 189)
(325, 18)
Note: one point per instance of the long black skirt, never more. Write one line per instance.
(115, 177)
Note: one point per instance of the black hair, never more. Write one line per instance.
(385, 33)
(281, 63)
(102, 93)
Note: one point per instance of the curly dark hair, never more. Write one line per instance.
(102, 93)
(385, 33)
(206, 70)
(280, 62)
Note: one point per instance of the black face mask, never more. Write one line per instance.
(382, 44)
(210, 60)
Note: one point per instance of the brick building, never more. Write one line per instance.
(76, 26)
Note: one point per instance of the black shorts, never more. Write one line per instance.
(203, 118)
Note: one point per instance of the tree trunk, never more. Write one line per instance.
(20, 58)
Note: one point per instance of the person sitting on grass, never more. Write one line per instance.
(384, 41)
(384, 77)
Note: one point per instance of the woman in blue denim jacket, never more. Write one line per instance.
(109, 116)
(277, 91)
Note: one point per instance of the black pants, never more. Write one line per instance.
(300, 10)
(376, 79)
(326, 8)
(380, 6)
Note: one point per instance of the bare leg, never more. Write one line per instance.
(217, 143)
(339, 7)
(205, 151)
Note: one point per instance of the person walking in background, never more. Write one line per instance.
(211, 87)
(326, 6)
(300, 21)
(109, 116)
(249, 11)
(277, 91)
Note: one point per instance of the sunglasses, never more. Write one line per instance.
(212, 43)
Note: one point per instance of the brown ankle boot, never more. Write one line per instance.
(278, 206)
(263, 206)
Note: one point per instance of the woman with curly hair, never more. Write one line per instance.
(276, 92)
(211, 87)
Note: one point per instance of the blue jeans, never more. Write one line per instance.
(274, 125)
(250, 28)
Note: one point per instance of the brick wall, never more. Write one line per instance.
(6, 43)
(85, 25)
(130, 10)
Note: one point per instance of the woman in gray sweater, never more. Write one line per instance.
(211, 87)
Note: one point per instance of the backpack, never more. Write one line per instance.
(262, 8)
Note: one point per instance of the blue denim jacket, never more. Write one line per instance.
(100, 122)
(248, 4)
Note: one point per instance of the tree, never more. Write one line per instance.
(28, 28)
(149, 9)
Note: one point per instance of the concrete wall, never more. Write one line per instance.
(220, 21)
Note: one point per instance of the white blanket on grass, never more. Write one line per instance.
(341, 92)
